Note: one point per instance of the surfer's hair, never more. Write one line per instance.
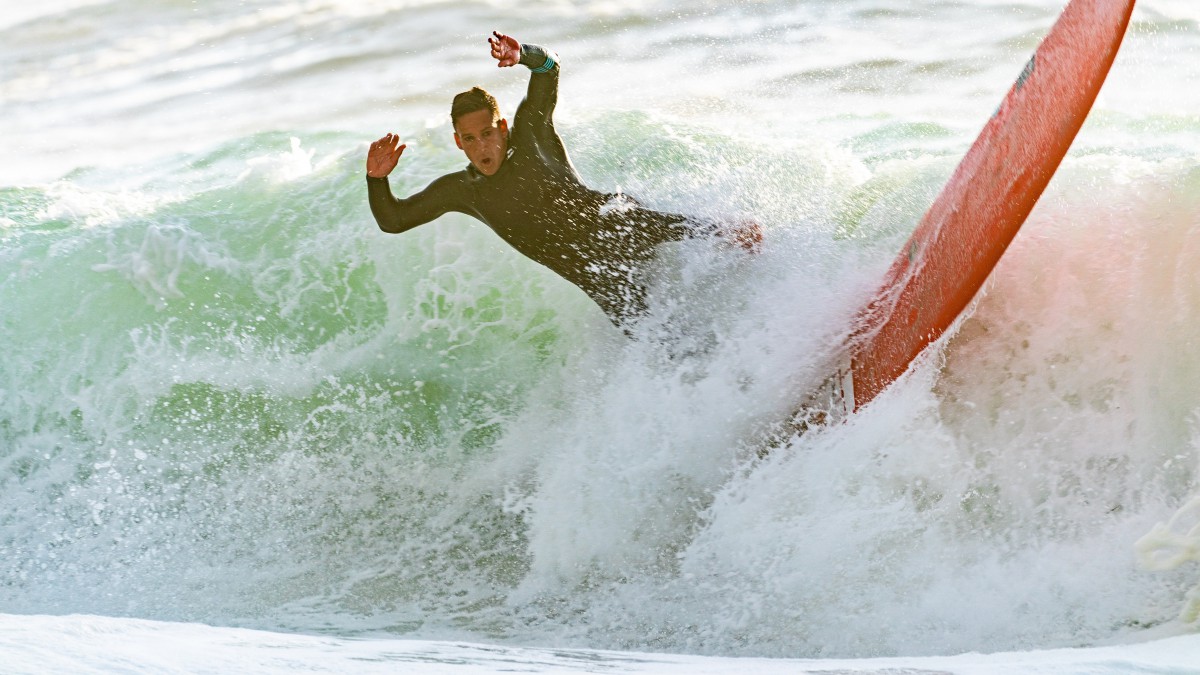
(471, 101)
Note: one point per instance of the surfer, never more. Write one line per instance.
(521, 183)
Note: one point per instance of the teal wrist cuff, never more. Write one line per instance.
(537, 59)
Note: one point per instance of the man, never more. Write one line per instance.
(521, 183)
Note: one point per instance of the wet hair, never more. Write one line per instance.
(471, 101)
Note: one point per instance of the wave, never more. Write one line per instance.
(226, 397)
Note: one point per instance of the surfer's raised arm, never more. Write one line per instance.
(535, 115)
(399, 215)
(537, 110)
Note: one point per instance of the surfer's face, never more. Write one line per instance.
(483, 139)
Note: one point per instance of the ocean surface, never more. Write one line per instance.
(226, 398)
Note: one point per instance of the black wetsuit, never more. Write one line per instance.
(538, 204)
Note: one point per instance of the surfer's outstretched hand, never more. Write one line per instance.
(505, 49)
(383, 155)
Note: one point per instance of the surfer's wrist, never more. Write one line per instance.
(538, 59)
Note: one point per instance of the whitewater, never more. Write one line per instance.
(243, 429)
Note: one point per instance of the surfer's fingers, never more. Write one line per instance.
(498, 51)
(387, 147)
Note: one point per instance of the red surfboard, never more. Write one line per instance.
(973, 220)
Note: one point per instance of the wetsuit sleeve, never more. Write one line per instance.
(535, 115)
(399, 215)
